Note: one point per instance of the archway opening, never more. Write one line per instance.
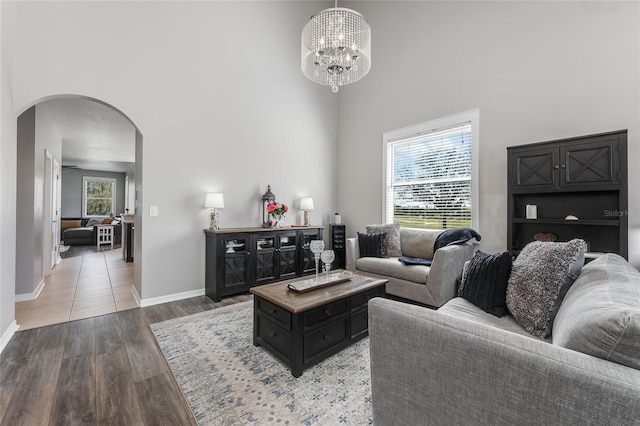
(79, 166)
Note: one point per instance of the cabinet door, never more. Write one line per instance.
(287, 249)
(534, 168)
(591, 164)
(235, 270)
(307, 259)
(266, 258)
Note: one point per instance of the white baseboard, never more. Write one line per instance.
(135, 294)
(8, 334)
(170, 298)
(25, 297)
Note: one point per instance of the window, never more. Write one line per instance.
(99, 196)
(430, 173)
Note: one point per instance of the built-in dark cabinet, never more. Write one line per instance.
(566, 164)
(238, 259)
(338, 241)
(584, 178)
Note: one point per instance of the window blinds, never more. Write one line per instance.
(429, 179)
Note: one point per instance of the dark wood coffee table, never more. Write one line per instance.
(302, 329)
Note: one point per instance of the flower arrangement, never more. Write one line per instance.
(277, 210)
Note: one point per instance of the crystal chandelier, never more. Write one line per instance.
(336, 47)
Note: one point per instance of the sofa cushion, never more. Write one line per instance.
(392, 268)
(418, 242)
(462, 308)
(484, 282)
(70, 223)
(600, 314)
(540, 277)
(373, 245)
(393, 237)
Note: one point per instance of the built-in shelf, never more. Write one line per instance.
(567, 222)
(585, 177)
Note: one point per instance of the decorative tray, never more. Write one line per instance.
(311, 283)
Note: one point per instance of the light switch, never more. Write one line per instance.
(153, 210)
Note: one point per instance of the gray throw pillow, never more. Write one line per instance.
(600, 314)
(393, 237)
(540, 277)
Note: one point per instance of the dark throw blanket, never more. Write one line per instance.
(446, 238)
(455, 236)
(415, 261)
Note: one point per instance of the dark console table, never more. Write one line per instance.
(240, 258)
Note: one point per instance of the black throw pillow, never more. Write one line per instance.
(373, 245)
(485, 282)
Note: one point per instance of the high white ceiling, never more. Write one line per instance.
(94, 136)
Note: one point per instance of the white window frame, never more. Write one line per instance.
(472, 117)
(86, 179)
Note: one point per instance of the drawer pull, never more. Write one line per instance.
(327, 337)
(327, 312)
(273, 311)
(273, 334)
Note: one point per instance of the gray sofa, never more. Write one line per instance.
(430, 285)
(461, 366)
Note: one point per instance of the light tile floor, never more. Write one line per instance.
(81, 287)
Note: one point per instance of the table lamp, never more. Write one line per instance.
(214, 201)
(306, 204)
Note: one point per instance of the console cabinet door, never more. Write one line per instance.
(307, 259)
(287, 255)
(235, 268)
(266, 258)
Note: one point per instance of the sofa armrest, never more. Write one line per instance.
(353, 253)
(446, 270)
(436, 366)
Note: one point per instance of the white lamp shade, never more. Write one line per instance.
(306, 204)
(214, 200)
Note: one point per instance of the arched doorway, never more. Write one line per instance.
(86, 138)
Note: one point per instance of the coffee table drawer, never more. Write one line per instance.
(362, 299)
(275, 312)
(324, 313)
(274, 335)
(359, 322)
(325, 338)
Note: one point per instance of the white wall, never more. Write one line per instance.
(216, 90)
(536, 70)
(8, 164)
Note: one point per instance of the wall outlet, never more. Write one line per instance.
(153, 210)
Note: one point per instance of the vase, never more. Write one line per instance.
(277, 222)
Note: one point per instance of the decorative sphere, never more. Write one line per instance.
(334, 89)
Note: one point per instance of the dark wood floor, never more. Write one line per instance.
(101, 370)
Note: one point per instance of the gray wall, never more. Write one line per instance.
(36, 134)
(536, 70)
(27, 257)
(72, 190)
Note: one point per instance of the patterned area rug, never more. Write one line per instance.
(228, 381)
